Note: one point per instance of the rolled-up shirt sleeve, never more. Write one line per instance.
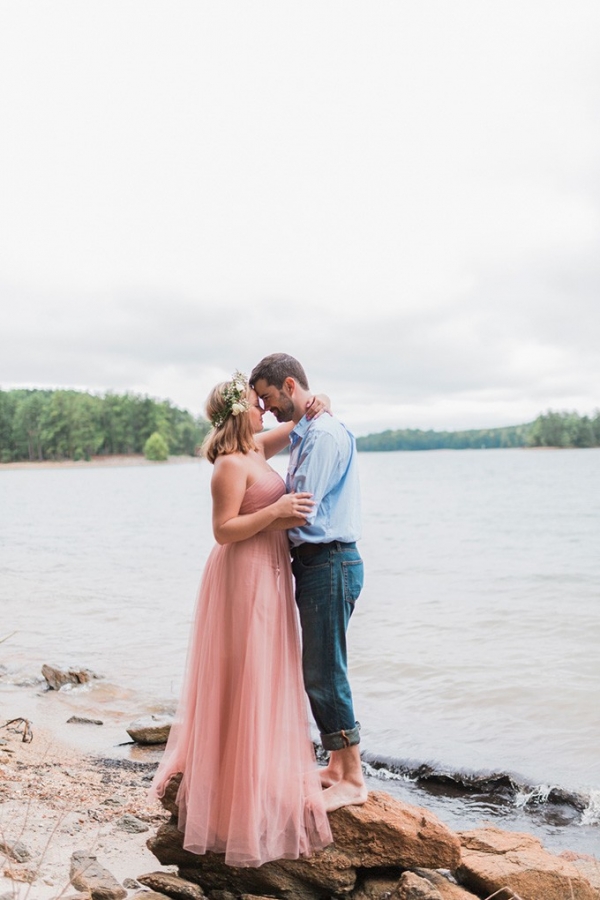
(318, 470)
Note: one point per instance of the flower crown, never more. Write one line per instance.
(234, 399)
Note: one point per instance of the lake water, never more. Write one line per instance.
(474, 647)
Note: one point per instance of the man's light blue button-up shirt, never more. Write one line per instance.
(323, 461)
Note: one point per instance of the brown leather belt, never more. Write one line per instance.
(304, 550)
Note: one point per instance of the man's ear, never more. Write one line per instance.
(289, 385)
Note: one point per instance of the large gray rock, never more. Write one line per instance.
(494, 859)
(88, 875)
(150, 729)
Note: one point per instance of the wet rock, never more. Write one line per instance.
(88, 875)
(172, 885)
(57, 678)
(386, 832)
(494, 859)
(15, 850)
(131, 824)
(81, 720)
(150, 729)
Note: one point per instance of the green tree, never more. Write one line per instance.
(28, 424)
(156, 448)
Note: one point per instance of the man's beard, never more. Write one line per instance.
(283, 409)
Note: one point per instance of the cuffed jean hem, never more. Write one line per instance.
(340, 740)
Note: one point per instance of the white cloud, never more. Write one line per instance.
(404, 196)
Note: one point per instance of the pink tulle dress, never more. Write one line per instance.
(250, 786)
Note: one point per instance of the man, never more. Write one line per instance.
(326, 564)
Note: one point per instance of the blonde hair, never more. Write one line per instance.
(235, 434)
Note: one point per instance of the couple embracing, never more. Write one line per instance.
(250, 787)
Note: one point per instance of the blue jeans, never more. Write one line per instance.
(328, 582)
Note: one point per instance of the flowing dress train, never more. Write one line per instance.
(250, 786)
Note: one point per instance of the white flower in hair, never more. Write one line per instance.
(234, 399)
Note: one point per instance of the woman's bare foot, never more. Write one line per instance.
(344, 793)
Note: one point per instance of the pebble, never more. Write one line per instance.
(17, 851)
(115, 800)
(131, 824)
(81, 720)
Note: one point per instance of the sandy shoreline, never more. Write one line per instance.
(132, 459)
(68, 790)
(55, 800)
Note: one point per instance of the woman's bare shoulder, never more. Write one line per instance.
(231, 462)
(230, 472)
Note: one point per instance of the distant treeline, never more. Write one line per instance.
(552, 429)
(52, 425)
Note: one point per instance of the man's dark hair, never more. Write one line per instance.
(276, 368)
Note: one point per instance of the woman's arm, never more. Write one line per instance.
(275, 440)
(228, 486)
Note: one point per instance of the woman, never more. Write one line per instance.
(250, 786)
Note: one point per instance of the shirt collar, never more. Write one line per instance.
(299, 430)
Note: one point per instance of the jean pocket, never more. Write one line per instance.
(354, 578)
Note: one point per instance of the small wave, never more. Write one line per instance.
(591, 814)
(496, 788)
(385, 774)
(539, 794)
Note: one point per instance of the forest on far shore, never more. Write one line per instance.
(551, 429)
(54, 425)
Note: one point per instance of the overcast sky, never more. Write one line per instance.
(404, 195)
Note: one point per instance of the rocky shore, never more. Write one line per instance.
(385, 850)
(74, 825)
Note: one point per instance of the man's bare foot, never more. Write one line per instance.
(329, 776)
(344, 793)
